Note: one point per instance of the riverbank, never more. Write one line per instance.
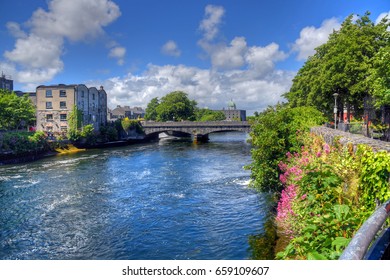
(61, 148)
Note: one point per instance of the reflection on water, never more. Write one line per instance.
(165, 200)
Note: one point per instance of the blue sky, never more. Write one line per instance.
(244, 50)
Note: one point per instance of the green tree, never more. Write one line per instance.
(341, 65)
(176, 106)
(380, 77)
(150, 112)
(15, 112)
(206, 115)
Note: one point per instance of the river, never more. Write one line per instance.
(163, 200)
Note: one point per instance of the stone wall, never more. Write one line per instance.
(344, 138)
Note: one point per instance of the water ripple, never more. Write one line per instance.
(169, 200)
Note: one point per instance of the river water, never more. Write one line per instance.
(162, 200)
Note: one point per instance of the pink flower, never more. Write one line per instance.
(326, 148)
(282, 166)
(303, 196)
(284, 208)
(318, 154)
(283, 179)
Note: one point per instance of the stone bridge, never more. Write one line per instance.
(200, 130)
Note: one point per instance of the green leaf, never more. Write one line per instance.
(340, 242)
(341, 211)
(315, 256)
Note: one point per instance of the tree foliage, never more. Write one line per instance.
(15, 112)
(176, 106)
(206, 115)
(380, 77)
(150, 112)
(275, 132)
(344, 64)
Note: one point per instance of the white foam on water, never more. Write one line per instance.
(27, 184)
(58, 202)
(242, 182)
(178, 195)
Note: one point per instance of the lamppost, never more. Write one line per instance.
(335, 109)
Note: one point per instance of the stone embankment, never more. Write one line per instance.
(344, 138)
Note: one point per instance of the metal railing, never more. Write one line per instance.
(357, 248)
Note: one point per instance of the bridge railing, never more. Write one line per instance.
(357, 248)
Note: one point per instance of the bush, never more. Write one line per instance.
(20, 143)
(108, 133)
(274, 132)
(88, 133)
(128, 125)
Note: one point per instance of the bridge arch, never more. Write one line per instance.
(199, 130)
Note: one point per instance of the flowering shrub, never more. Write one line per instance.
(328, 193)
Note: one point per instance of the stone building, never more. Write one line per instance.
(232, 113)
(55, 102)
(126, 111)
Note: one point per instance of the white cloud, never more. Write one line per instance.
(237, 54)
(119, 53)
(311, 37)
(170, 48)
(74, 19)
(212, 89)
(262, 59)
(229, 57)
(210, 24)
(37, 53)
(15, 30)
(240, 72)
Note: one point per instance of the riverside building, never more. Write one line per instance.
(55, 102)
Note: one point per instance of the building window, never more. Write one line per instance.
(93, 96)
(62, 93)
(63, 104)
(62, 117)
(49, 93)
(49, 105)
(49, 117)
(82, 94)
(64, 128)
